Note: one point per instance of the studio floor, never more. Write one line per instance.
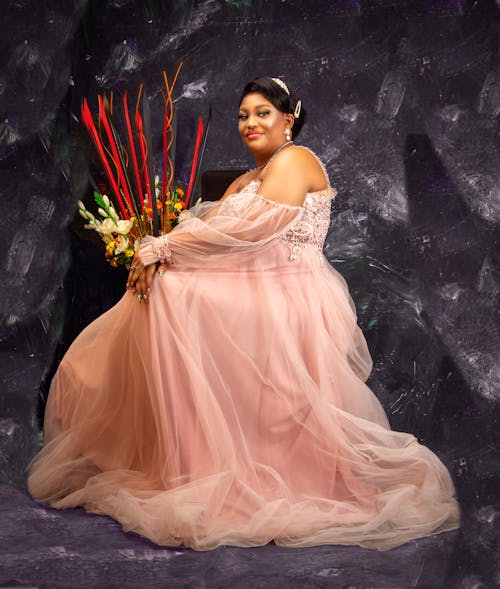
(50, 549)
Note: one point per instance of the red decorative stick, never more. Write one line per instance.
(168, 132)
(132, 151)
(116, 157)
(199, 135)
(144, 155)
(164, 161)
(89, 124)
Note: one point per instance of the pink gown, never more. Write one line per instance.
(232, 409)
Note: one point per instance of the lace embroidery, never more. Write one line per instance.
(311, 228)
(162, 250)
(312, 225)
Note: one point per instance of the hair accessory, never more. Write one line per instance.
(296, 112)
(282, 85)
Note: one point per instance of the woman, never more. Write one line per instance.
(231, 408)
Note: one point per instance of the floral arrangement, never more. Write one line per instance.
(139, 203)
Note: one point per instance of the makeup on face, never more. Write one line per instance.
(260, 124)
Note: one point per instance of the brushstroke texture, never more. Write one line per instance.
(403, 100)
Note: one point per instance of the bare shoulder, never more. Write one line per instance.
(301, 160)
(300, 167)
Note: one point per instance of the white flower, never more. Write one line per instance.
(121, 245)
(112, 214)
(102, 212)
(106, 227)
(106, 200)
(124, 226)
(81, 206)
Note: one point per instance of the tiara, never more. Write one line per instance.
(282, 85)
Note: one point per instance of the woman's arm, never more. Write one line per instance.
(214, 231)
(140, 279)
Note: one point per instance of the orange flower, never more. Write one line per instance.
(180, 192)
(172, 216)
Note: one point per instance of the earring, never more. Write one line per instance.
(288, 135)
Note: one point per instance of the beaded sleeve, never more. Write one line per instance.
(238, 226)
(155, 249)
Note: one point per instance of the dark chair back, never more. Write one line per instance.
(215, 182)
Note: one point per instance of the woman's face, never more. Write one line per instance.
(261, 125)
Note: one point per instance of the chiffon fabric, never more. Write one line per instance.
(232, 409)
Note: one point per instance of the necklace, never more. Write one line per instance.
(275, 153)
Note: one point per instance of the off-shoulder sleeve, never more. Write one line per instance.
(238, 226)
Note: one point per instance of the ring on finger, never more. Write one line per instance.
(139, 298)
(133, 268)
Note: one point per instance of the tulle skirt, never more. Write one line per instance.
(232, 409)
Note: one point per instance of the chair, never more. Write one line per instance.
(215, 182)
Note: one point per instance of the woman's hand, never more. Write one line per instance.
(140, 278)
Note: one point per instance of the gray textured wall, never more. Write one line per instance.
(403, 100)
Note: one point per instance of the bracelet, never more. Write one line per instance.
(162, 250)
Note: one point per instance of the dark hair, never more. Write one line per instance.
(278, 97)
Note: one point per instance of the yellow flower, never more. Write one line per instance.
(129, 253)
(168, 202)
(178, 205)
(111, 246)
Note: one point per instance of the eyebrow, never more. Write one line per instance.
(258, 106)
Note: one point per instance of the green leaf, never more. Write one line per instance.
(99, 201)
